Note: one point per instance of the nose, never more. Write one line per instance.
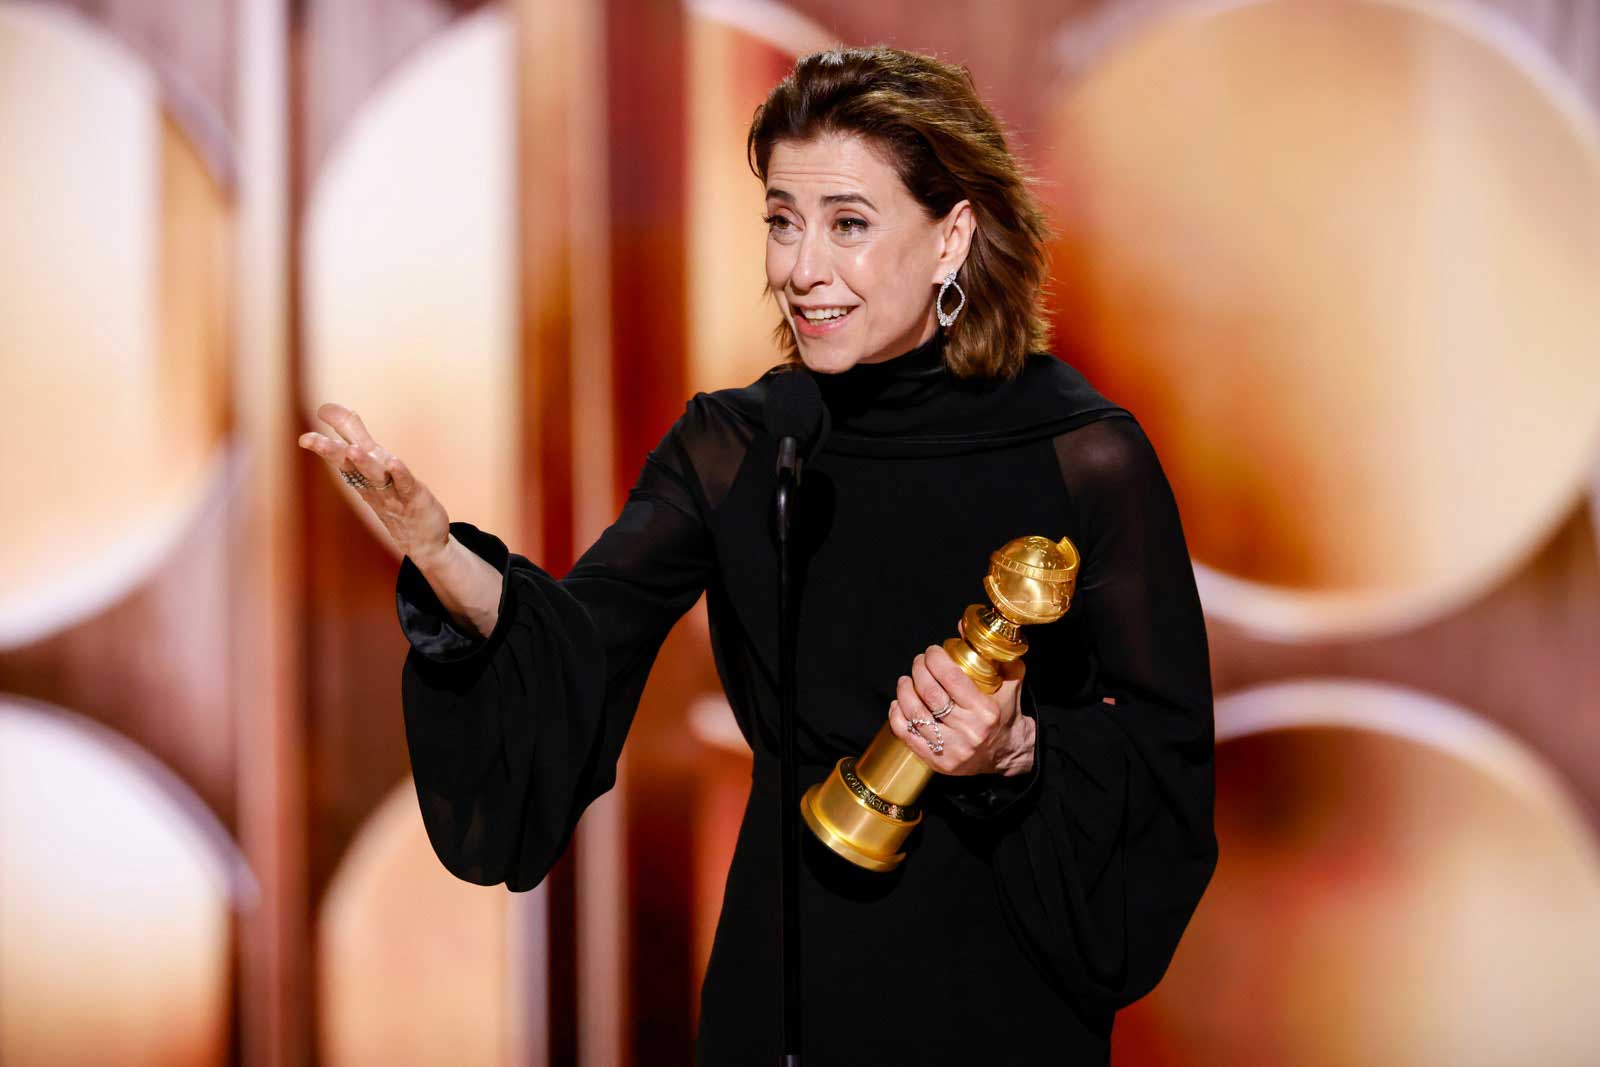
(812, 266)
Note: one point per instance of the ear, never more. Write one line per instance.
(955, 239)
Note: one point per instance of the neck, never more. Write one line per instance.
(928, 354)
(904, 380)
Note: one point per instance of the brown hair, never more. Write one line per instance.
(946, 146)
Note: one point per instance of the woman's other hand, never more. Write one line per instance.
(981, 734)
(409, 511)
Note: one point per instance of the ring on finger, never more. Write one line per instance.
(949, 704)
(361, 481)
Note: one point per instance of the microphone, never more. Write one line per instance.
(798, 419)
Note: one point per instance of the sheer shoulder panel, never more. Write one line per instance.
(513, 735)
(724, 425)
(1102, 854)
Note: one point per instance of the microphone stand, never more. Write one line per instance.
(789, 466)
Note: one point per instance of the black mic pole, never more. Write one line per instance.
(789, 465)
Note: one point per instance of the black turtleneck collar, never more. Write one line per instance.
(907, 380)
(913, 406)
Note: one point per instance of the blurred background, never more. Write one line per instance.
(1342, 259)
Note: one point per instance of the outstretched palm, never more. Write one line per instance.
(407, 508)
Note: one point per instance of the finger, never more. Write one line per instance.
(369, 463)
(347, 422)
(920, 740)
(912, 737)
(910, 703)
(897, 723)
(954, 680)
(327, 447)
(959, 720)
(404, 483)
(926, 685)
(947, 751)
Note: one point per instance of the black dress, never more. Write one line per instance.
(1029, 908)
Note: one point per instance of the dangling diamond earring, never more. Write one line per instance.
(946, 318)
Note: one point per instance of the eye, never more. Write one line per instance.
(773, 220)
(853, 225)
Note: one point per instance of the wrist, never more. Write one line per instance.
(1024, 737)
(432, 559)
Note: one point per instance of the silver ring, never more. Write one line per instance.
(361, 481)
(949, 702)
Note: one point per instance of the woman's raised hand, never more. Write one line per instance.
(979, 734)
(412, 515)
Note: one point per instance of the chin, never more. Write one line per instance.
(827, 362)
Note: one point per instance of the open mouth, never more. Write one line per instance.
(821, 320)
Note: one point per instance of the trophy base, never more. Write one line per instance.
(850, 826)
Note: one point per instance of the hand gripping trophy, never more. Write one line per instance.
(866, 808)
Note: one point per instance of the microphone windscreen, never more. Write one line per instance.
(794, 408)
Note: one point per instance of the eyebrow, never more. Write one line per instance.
(831, 198)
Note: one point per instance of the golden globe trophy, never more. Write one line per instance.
(866, 808)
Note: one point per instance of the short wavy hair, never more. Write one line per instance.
(946, 146)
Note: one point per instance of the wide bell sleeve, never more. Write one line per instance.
(513, 735)
(1102, 851)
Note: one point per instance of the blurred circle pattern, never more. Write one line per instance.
(413, 962)
(113, 312)
(409, 283)
(1399, 882)
(1341, 259)
(115, 905)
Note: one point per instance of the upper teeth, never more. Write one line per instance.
(816, 314)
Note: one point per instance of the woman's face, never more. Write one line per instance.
(844, 235)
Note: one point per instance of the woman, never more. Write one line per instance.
(1068, 837)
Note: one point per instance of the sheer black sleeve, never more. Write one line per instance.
(513, 735)
(1103, 851)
